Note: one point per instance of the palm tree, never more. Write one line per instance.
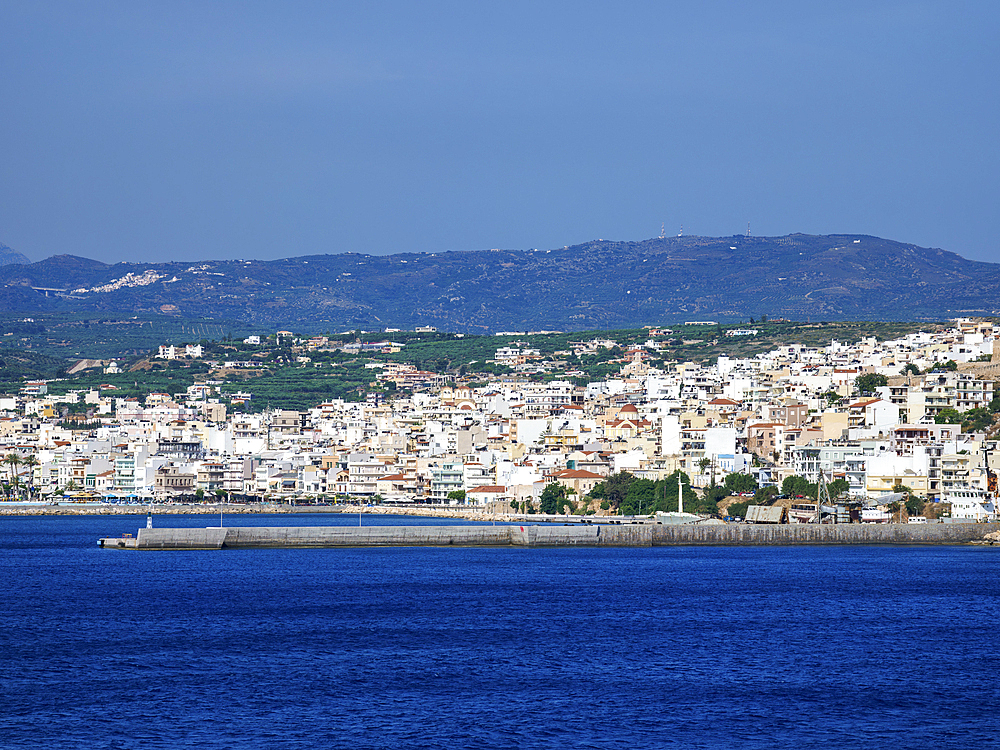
(703, 464)
(30, 462)
(12, 460)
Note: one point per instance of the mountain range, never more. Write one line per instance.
(595, 285)
(9, 255)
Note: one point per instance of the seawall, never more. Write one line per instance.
(637, 535)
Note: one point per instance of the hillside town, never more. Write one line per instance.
(879, 421)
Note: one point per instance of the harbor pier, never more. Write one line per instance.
(548, 535)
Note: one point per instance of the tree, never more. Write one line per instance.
(948, 416)
(666, 495)
(949, 366)
(837, 487)
(30, 462)
(977, 420)
(765, 495)
(739, 509)
(710, 499)
(868, 382)
(641, 498)
(614, 488)
(832, 398)
(796, 485)
(458, 495)
(973, 420)
(554, 499)
(736, 484)
(12, 460)
(911, 369)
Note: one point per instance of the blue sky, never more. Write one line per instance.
(208, 130)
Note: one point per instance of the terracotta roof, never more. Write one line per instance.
(577, 474)
(859, 404)
(633, 422)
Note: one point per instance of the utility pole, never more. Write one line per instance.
(822, 493)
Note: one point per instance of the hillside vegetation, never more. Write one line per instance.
(280, 380)
(597, 285)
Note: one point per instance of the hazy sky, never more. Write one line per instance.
(207, 130)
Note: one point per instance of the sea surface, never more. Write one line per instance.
(686, 647)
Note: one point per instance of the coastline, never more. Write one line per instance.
(213, 509)
(626, 530)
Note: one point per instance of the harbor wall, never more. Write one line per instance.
(799, 534)
(367, 536)
(549, 535)
(210, 538)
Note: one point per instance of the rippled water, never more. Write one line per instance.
(452, 648)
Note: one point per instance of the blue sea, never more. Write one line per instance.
(690, 647)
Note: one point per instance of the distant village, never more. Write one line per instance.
(883, 423)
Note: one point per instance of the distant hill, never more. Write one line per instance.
(8, 256)
(596, 285)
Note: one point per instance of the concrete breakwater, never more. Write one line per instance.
(636, 535)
